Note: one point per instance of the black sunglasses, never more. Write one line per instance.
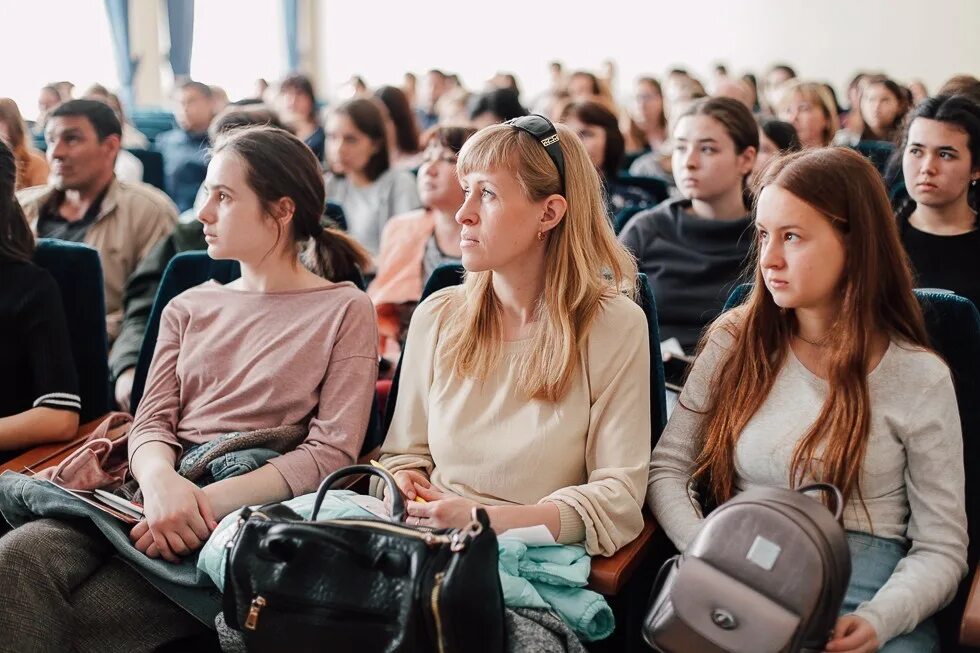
(545, 133)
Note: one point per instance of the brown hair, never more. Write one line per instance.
(962, 85)
(16, 239)
(655, 83)
(894, 133)
(280, 165)
(737, 120)
(451, 138)
(876, 297)
(402, 117)
(301, 84)
(593, 113)
(368, 119)
(17, 131)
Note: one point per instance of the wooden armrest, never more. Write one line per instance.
(610, 574)
(48, 455)
(970, 625)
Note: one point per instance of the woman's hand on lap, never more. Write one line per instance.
(441, 510)
(852, 634)
(178, 517)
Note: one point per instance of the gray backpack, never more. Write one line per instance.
(766, 573)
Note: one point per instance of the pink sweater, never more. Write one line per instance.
(230, 360)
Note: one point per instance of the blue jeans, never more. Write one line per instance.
(873, 559)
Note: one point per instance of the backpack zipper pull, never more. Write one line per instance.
(253, 612)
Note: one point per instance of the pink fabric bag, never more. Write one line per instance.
(101, 461)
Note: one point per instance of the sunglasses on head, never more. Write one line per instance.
(545, 133)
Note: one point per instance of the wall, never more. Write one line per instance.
(829, 40)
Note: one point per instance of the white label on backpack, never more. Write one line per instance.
(763, 553)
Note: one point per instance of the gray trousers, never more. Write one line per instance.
(62, 589)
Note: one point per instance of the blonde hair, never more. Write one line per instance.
(819, 97)
(585, 265)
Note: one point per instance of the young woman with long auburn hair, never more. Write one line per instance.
(825, 374)
(526, 389)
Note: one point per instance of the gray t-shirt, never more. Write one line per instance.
(433, 257)
(368, 208)
(912, 479)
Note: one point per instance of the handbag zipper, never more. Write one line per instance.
(252, 620)
(428, 537)
(437, 616)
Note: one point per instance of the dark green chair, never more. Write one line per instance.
(78, 272)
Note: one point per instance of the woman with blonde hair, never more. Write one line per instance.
(32, 169)
(825, 374)
(812, 111)
(525, 390)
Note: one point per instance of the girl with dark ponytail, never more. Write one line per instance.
(280, 349)
(39, 399)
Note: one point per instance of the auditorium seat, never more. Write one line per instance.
(78, 272)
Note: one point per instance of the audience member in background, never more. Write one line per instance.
(583, 85)
(918, 91)
(132, 137)
(219, 367)
(47, 99)
(498, 105)
(84, 202)
(598, 129)
(219, 99)
(736, 89)
(297, 106)
(410, 88)
(883, 108)
(416, 243)
(962, 85)
(525, 390)
(403, 131)
(777, 77)
(32, 169)
(811, 111)
(39, 400)
(185, 149)
(647, 112)
(938, 224)
(775, 137)
(128, 167)
(66, 90)
(434, 86)
(753, 86)
(260, 89)
(361, 178)
(825, 374)
(694, 249)
(142, 285)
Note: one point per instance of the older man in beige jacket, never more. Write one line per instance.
(84, 202)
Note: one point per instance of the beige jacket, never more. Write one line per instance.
(133, 218)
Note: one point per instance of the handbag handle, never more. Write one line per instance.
(397, 503)
(832, 491)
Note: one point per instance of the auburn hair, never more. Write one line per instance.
(585, 264)
(876, 298)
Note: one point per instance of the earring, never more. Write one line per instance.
(540, 235)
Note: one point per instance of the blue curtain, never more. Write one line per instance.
(291, 14)
(180, 17)
(118, 12)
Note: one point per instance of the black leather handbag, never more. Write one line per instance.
(361, 584)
